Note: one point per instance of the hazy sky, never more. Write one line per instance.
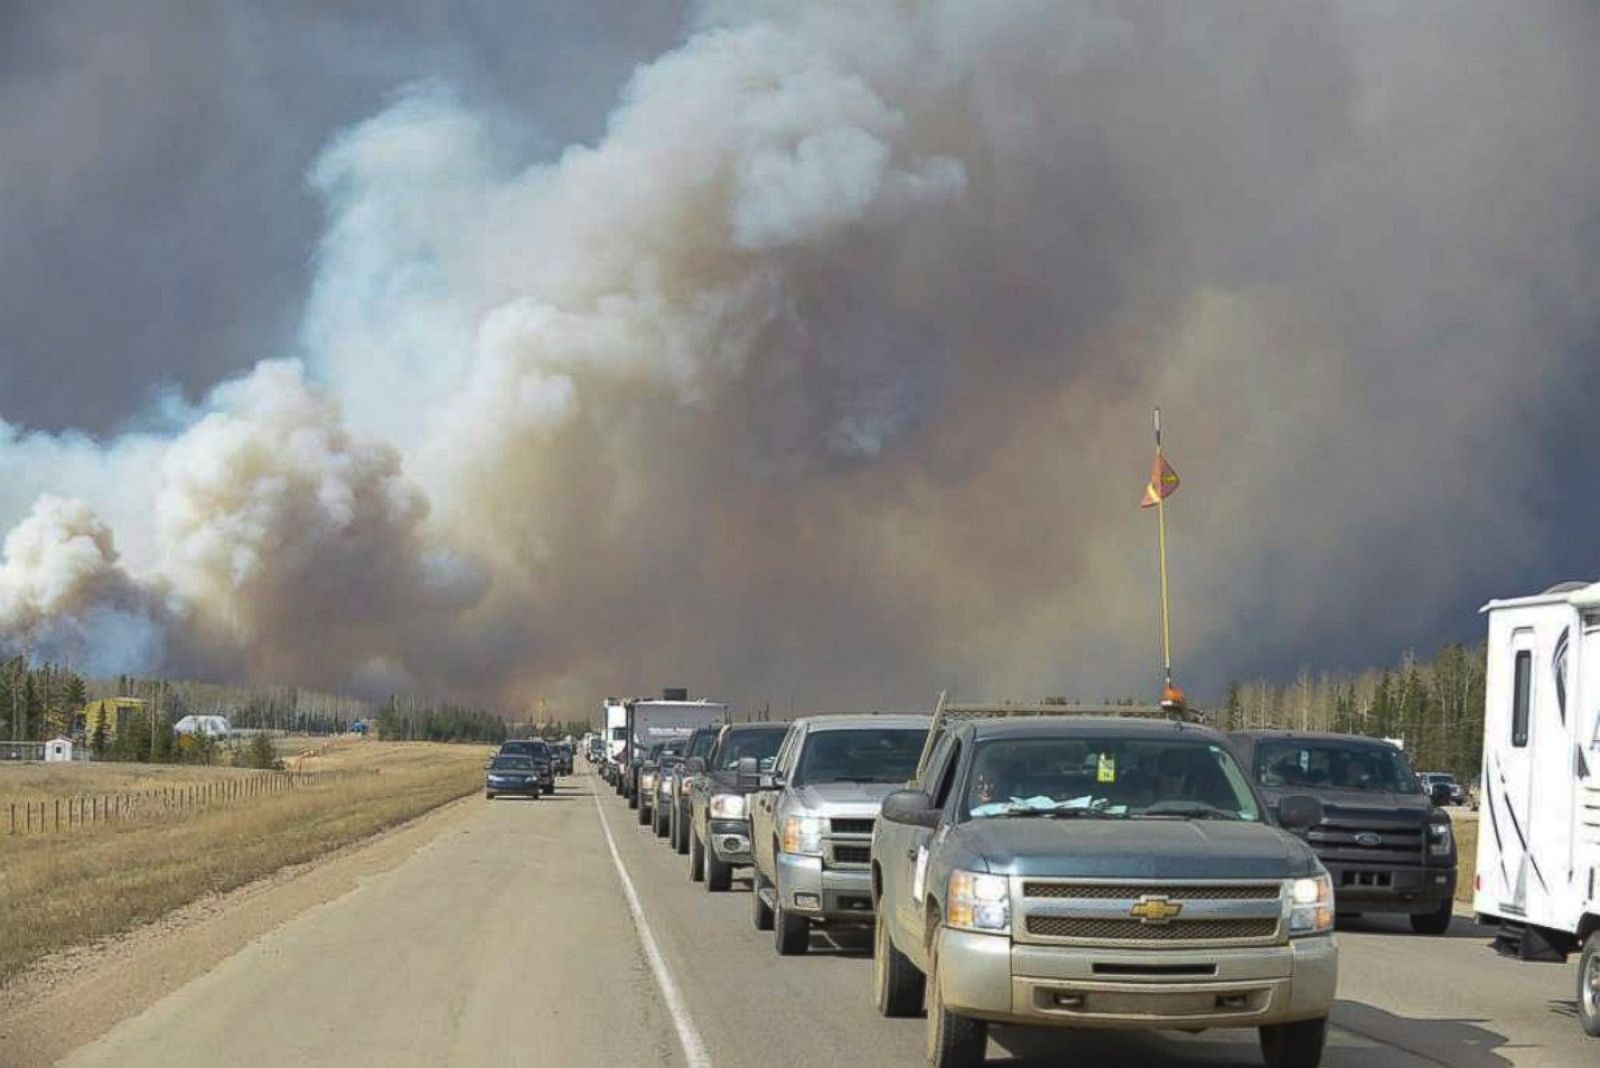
(794, 353)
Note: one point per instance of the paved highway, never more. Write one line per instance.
(509, 939)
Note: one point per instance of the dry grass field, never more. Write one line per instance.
(1467, 848)
(64, 889)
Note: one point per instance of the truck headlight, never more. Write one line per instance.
(978, 902)
(684, 788)
(727, 807)
(1311, 905)
(802, 835)
(1441, 840)
(647, 781)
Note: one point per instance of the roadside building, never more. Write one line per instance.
(58, 749)
(108, 715)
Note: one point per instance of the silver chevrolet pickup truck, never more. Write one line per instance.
(1098, 872)
(811, 829)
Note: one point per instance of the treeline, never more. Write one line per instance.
(410, 721)
(276, 708)
(1434, 706)
(38, 702)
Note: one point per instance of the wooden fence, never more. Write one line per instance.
(65, 814)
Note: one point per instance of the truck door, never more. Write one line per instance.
(913, 846)
(763, 804)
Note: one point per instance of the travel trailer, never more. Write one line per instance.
(1538, 876)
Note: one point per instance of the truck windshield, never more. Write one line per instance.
(762, 744)
(1129, 778)
(703, 742)
(871, 754)
(1334, 765)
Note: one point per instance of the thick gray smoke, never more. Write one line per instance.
(823, 376)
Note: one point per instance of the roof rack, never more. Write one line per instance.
(949, 714)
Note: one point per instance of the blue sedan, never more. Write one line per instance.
(511, 774)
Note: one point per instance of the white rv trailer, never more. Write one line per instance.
(1538, 876)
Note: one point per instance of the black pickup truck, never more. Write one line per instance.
(1388, 848)
(719, 820)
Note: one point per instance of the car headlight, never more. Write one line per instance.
(978, 902)
(727, 807)
(647, 781)
(802, 835)
(1441, 840)
(1311, 905)
(684, 788)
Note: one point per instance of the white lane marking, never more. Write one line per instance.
(694, 1047)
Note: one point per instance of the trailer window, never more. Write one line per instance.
(1522, 687)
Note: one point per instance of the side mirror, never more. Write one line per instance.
(1299, 812)
(911, 807)
(696, 765)
(749, 773)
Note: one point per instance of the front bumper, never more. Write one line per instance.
(729, 841)
(526, 789)
(1388, 888)
(829, 895)
(988, 977)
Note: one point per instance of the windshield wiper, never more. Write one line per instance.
(1188, 810)
(1021, 813)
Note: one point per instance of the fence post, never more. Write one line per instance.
(13, 817)
(58, 815)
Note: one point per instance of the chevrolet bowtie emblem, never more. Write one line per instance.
(1155, 911)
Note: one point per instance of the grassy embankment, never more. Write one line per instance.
(63, 889)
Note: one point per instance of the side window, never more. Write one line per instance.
(930, 774)
(1521, 698)
(947, 776)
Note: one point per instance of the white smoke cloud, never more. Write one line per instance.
(826, 370)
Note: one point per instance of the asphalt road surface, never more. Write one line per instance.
(509, 939)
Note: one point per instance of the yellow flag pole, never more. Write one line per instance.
(1161, 517)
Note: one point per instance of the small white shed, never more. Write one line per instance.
(58, 749)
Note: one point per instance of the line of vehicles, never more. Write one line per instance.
(1131, 868)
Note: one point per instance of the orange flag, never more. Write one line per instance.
(1163, 483)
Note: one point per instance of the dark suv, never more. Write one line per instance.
(1381, 838)
(538, 750)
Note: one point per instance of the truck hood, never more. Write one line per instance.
(1377, 806)
(863, 798)
(1132, 849)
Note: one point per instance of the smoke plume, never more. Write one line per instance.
(822, 376)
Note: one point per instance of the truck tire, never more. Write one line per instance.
(643, 814)
(719, 874)
(680, 833)
(900, 988)
(1589, 987)
(1436, 922)
(656, 821)
(760, 911)
(1294, 1045)
(791, 934)
(953, 1041)
(488, 795)
(697, 858)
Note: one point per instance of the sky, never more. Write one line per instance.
(801, 355)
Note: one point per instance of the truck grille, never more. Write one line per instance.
(1145, 912)
(863, 826)
(1358, 840)
(1109, 930)
(1174, 892)
(852, 854)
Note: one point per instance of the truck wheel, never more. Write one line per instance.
(899, 986)
(643, 815)
(697, 859)
(680, 835)
(791, 934)
(488, 795)
(664, 825)
(953, 1041)
(633, 800)
(760, 911)
(1589, 988)
(1436, 922)
(719, 874)
(1294, 1045)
